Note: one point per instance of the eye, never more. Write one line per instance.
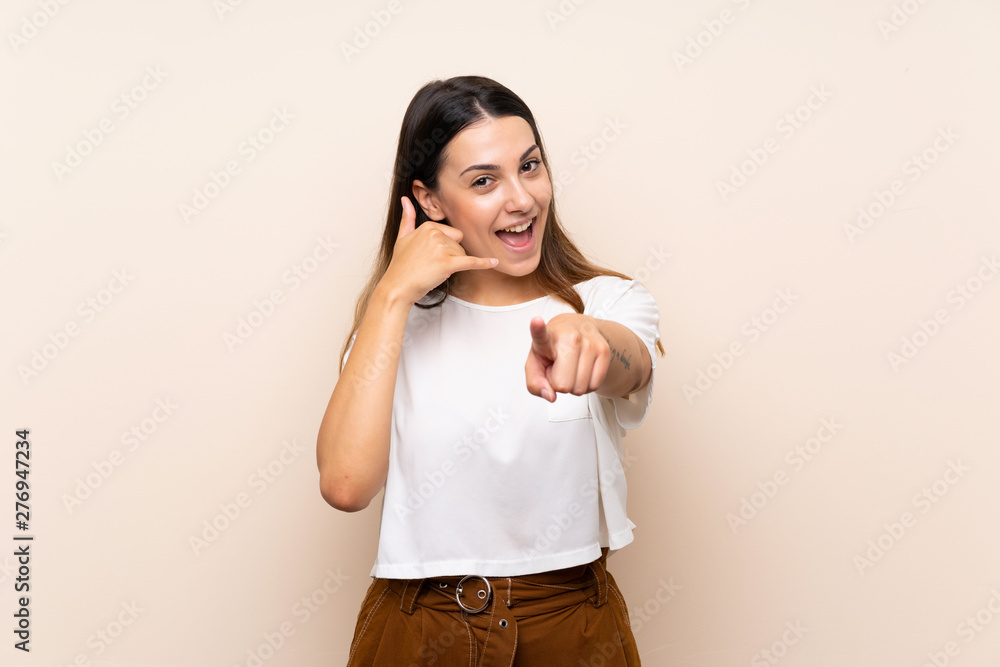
(535, 165)
(481, 182)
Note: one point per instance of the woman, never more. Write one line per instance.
(489, 376)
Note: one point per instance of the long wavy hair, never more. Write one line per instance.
(439, 111)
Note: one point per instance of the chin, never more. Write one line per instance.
(521, 269)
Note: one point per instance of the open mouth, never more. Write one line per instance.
(518, 236)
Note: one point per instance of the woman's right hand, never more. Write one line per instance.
(425, 257)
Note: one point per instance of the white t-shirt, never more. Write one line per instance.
(485, 478)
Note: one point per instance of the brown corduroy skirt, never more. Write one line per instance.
(575, 616)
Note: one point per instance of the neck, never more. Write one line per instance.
(498, 289)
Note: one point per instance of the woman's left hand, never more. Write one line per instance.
(568, 354)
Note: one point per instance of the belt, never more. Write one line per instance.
(475, 594)
(490, 607)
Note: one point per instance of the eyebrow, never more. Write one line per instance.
(494, 167)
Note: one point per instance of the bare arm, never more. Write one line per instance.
(629, 366)
(352, 449)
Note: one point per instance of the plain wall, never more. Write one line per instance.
(817, 476)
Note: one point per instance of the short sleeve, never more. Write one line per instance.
(630, 304)
(350, 346)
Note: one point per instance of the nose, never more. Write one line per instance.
(518, 198)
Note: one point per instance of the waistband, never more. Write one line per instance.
(529, 594)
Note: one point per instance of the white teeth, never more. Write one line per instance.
(519, 228)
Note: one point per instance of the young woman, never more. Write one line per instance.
(486, 384)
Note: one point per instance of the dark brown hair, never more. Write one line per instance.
(439, 111)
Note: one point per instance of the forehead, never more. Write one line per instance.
(489, 140)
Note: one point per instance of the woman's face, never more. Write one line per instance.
(492, 179)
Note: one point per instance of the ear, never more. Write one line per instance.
(428, 201)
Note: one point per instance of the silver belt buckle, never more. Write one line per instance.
(487, 594)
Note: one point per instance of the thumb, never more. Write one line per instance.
(408, 222)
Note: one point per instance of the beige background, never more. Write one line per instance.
(893, 78)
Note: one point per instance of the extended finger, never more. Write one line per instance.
(409, 218)
(468, 262)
